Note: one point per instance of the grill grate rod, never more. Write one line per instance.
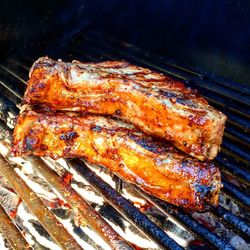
(228, 219)
(231, 168)
(36, 206)
(11, 232)
(186, 221)
(235, 223)
(243, 154)
(237, 137)
(239, 197)
(87, 213)
(123, 206)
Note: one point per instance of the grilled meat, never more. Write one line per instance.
(156, 104)
(158, 168)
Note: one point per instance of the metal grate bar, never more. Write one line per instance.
(13, 74)
(231, 168)
(240, 161)
(36, 206)
(236, 150)
(237, 137)
(236, 224)
(238, 196)
(17, 67)
(11, 232)
(8, 111)
(8, 94)
(87, 213)
(124, 206)
(228, 219)
(13, 83)
(186, 221)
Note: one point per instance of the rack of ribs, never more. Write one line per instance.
(154, 103)
(154, 165)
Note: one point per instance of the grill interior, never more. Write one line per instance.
(226, 227)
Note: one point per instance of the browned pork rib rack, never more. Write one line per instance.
(229, 97)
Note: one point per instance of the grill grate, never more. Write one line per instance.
(231, 98)
(15, 238)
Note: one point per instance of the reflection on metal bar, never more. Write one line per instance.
(13, 74)
(124, 206)
(233, 168)
(187, 221)
(11, 232)
(239, 197)
(36, 206)
(236, 149)
(241, 227)
(87, 213)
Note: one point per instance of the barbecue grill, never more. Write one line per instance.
(119, 215)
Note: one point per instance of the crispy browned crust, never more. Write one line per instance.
(158, 168)
(156, 104)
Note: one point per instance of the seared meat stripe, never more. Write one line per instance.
(157, 104)
(158, 168)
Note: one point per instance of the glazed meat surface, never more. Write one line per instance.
(156, 104)
(158, 168)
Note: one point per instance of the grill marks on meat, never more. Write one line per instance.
(158, 105)
(158, 168)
